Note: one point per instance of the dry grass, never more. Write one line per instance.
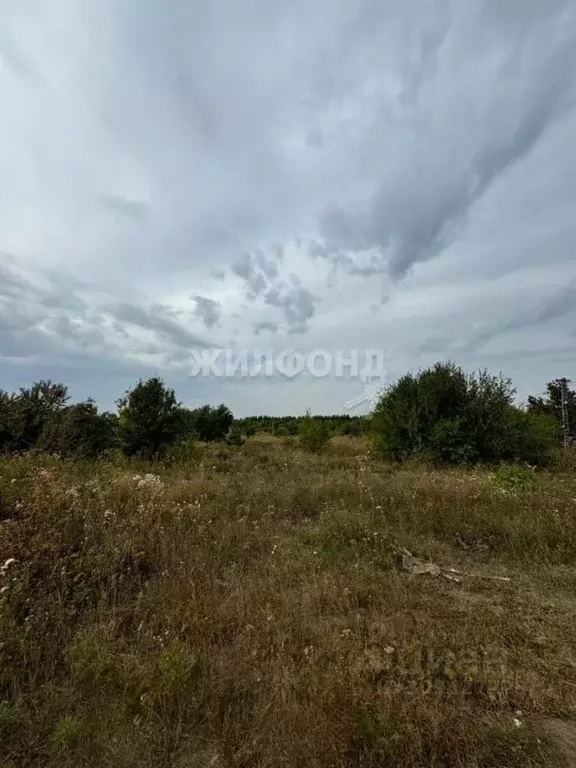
(250, 611)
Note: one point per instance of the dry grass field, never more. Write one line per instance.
(250, 609)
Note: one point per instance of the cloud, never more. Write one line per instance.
(297, 303)
(555, 307)
(411, 163)
(256, 270)
(265, 325)
(208, 310)
(420, 205)
(44, 317)
(130, 209)
(161, 320)
(14, 58)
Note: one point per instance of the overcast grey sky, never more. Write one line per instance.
(267, 174)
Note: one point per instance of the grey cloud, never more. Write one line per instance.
(23, 345)
(437, 345)
(243, 267)
(268, 266)
(278, 251)
(431, 134)
(12, 284)
(298, 305)
(317, 250)
(427, 52)
(130, 209)
(47, 318)
(56, 294)
(556, 307)
(265, 325)
(421, 205)
(208, 310)
(83, 335)
(159, 319)
(24, 305)
(64, 300)
(257, 284)
(14, 58)
(562, 353)
(256, 270)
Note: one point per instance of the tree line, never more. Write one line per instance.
(442, 413)
(290, 426)
(149, 419)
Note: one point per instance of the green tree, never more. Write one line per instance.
(551, 404)
(6, 437)
(455, 417)
(28, 413)
(80, 431)
(209, 423)
(149, 419)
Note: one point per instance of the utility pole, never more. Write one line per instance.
(564, 408)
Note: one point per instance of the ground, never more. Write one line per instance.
(250, 606)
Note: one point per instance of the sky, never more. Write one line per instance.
(182, 179)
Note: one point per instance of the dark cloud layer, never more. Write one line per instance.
(378, 174)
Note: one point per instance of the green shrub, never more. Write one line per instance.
(80, 432)
(69, 732)
(515, 478)
(376, 445)
(314, 434)
(455, 417)
(235, 436)
(25, 415)
(185, 451)
(209, 424)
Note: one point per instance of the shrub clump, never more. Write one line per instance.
(448, 415)
(314, 435)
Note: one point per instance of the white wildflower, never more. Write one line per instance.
(149, 481)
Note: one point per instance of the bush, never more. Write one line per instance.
(25, 416)
(209, 424)
(454, 417)
(235, 436)
(515, 478)
(534, 437)
(79, 431)
(314, 434)
(186, 451)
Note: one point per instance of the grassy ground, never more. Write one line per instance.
(250, 609)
